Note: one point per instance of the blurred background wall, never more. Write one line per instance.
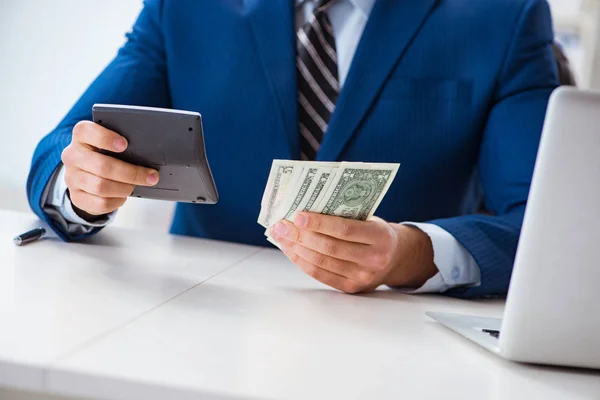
(50, 50)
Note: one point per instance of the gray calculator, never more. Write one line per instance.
(170, 141)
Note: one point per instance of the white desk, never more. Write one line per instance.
(138, 315)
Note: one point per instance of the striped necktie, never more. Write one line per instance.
(318, 84)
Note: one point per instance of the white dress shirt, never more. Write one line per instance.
(348, 18)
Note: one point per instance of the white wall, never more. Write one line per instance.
(50, 50)
(566, 17)
(577, 24)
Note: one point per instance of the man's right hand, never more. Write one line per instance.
(99, 184)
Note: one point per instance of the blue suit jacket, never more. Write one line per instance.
(455, 90)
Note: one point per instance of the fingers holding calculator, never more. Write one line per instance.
(98, 183)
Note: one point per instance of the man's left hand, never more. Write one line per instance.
(357, 256)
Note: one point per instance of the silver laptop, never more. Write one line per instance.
(552, 313)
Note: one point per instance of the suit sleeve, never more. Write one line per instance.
(136, 76)
(508, 151)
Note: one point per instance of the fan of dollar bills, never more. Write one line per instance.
(345, 189)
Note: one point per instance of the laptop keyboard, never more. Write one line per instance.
(492, 333)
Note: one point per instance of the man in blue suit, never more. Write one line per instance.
(455, 90)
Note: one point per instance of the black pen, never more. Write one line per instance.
(28, 237)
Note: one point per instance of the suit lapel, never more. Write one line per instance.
(272, 23)
(391, 28)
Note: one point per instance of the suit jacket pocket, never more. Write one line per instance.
(427, 90)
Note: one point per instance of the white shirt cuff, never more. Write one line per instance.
(456, 266)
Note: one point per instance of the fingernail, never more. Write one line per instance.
(280, 229)
(301, 220)
(120, 144)
(152, 178)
